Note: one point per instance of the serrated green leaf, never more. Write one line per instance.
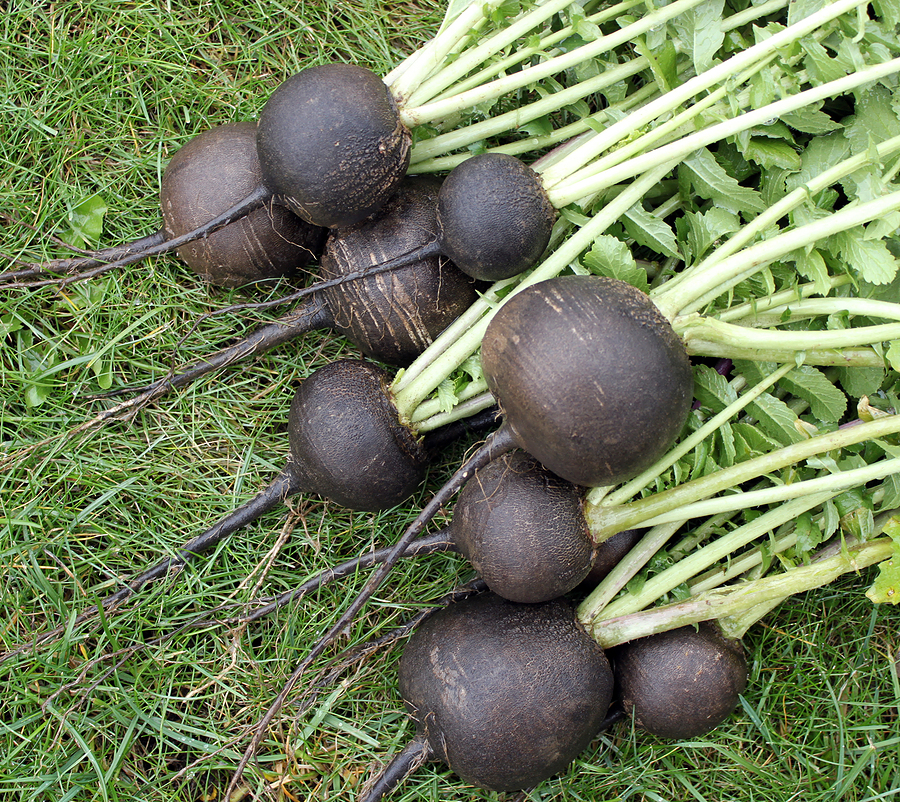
(822, 153)
(886, 587)
(825, 400)
(810, 120)
(813, 268)
(756, 440)
(775, 418)
(703, 229)
(446, 395)
(770, 153)
(874, 118)
(663, 62)
(712, 389)
(893, 354)
(888, 10)
(700, 31)
(885, 226)
(472, 366)
(650, 231)
(861, 381)
(762, 88)
(727, 451)
(869, 259)
(820, 66)
(808, 534)
(711, 181)
(610, 257)
(801, 9)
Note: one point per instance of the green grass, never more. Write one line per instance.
(96, 97)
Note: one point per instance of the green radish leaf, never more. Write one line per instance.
(727, 451)
(446, 395)
(776, 419)
(813, 268)
(768, 153)
(883, 227)
(886, 588)
(663, 62)
(85, 222)
(820, 66)
(762, 88)
(538, 127)
(712, 389)
(875, 118)
(711, 181)
(869, 259)
(610, 257)
(858, 382)
(810, 120)
(801, 9)
(893, 354)
(825, 400)
(650, 231)
(820, 154)
(699, 30)
(808, 534)
(472, 366)
(706, 228)
(888, 10)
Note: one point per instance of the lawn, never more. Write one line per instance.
(96, 97)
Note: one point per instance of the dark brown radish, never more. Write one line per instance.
(506, 694)
(331, 144)
(591, 378)
(681, 683)
(391, 316)
(331, 148)
(205, 177)
(210, 174)
(592, 381)
(608, 554)
(494, 218)
(395, 315)
(523, 529)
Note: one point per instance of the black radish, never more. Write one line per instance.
(591, 378)
(494, 218)
(395, 315)
(331, 148)
(391, 317)
(331, 144)
(523, 530)
(206, 177)
(506, 694)
(681, 683)
(608, 554)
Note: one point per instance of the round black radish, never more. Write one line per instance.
(331, 144)
(206, 177)
(523, 529)
(591, 378)
(506, 694)
(495, 216)
(682, 683)
(608, 554)
(347, 442)
(394, 316)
